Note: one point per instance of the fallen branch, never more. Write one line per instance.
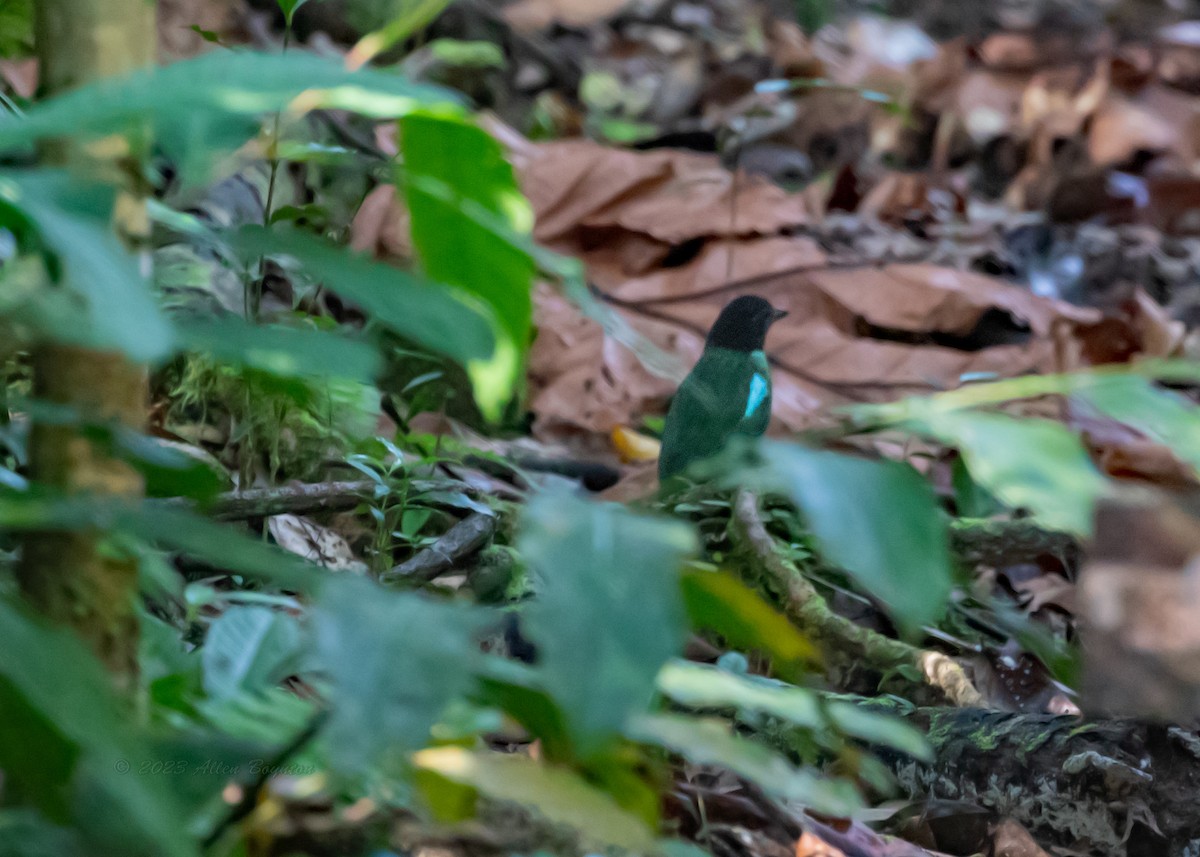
(464, 539)
(305, 498)
(851, 653)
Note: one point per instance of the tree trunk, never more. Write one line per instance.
(73, 577)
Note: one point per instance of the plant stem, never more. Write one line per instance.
(255, 292)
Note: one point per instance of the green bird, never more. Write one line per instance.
(728, 391)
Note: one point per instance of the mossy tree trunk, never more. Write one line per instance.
(75, 578)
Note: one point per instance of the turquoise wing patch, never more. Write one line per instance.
(760, 388)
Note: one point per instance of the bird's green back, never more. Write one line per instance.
(728, 392)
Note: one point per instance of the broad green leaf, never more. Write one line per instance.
(406, 18)
(37, 509)
(1029, 464)
(711, 742)
(199, 764)
(558, 794)
(203, 106)
(876, 519)
(222, 546)
(116, 309)
(274, 716)
(450, 165)
(52, 677)
(609, 611)
(518, 695)
(879, 729)
(438, 317)
(466, 54)
(249, 649)
(283, 351)
(1161, 415)
(394, 662)
(720, 602)
(16, 33)
(700, 686)
(25, 832)
(41, 762)
(169, 472)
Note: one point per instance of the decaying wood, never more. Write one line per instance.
(852, 655)
(1106, 787)
(463, 540)
(998, 543)
(308, 499)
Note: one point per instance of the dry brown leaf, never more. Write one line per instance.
(314, 543)
(21, 75)
(583, 192)
(854, 837)
(853, 335)
(528, 16)
(381, 226)
(878, 53)
(176, 38)
(1123, 128)
(665, 234)
(1139, 597)
(1139, 326)
(1011, 839)
(1179, 55)
(791, 50)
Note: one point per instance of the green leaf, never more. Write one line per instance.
(710, 742)
(609, 611)
(210, 104)
(16, 30)
(27, 833)
(74, 221)
(720, 602)
(218, 544)
(42, 762)
(396, 20)
(466, 54)
(879, 729)
(284, 351)
(169, 472)
(1029, 464)
(441, 318)
(395, 661)
(57, 681)
(876, 519)
(249, 649)
(451, 165)
(516, 693)
(289, 7)
(208, 35)
(1161, 415)
(700, 686)
(273, 716)
(557, 793)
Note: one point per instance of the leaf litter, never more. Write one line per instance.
(999, 207)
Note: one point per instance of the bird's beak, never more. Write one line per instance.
(778, 314)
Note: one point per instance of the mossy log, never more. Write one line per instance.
(1114, 787)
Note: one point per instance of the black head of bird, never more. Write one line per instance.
(743, 324)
